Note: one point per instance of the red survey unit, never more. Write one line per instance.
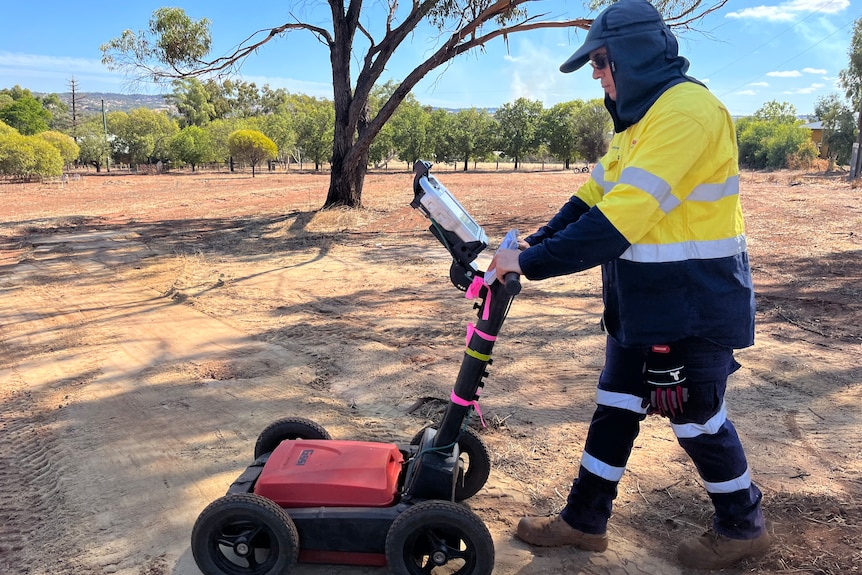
(329, 473)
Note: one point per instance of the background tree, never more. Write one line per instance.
(519, 125)
(94, 147)
(141, 136)
(440, 134)
(383, 146)
(557, 130)
(472, 134)
(278, 126)
(314, 129)
(67, 147)
(192, 146)
(26, 115)
(839, 130)
(851, 79)
(219, 132)
(410, 124)
(593, 128)
(192, 101)
(774, 138)
(252, 147)
(28, 156)
(175, 47)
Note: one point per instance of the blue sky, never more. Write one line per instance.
(751, 52)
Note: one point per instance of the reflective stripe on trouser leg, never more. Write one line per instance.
(721, 463)
(711, 441)
(613, 429)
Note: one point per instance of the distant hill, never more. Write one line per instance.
(91, 102)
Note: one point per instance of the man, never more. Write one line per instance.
(661, 215)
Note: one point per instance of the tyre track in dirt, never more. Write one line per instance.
(111, 440)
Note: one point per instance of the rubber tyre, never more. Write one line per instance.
(244, 534)
(477, 461)
(439, 537)
(287, 428)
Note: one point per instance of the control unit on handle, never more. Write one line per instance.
(450, 223)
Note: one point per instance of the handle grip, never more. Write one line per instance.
(512, 283)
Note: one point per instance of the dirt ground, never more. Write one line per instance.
(152, 326)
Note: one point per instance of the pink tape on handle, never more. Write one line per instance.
(464, 403)
(471, 329)
(474, 290)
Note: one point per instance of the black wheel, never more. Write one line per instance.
(477, 463)
(439, 537)
(288, 428)
(244, 534)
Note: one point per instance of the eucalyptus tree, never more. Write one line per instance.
(557, 130)
(142, 135)
(314, 121)
(519, 128)
(27, 115)
(192, 101)
(472, 134)
(177, 46)
(851, 80)
(192, 145)
(593, 127)
(440, 136)
(838, 126)
(410, 125)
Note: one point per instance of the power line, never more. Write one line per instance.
(788, 60)
(741, 58)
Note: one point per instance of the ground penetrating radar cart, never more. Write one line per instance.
(310, 498)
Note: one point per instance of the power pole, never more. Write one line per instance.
(77, 101)
(105, 126)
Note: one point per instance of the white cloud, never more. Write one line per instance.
(510, 58)
(814, 70)
(533, 73)
(809, 90)
(746, 93)
(789, 11)
(40, 62)
(785, 74)
(760, 84)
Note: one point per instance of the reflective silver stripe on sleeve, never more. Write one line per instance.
(681, 251)
(602, 469)
(620, 400)
(711, 427)
(738, 484)
(715, 192)
(598, 174)
(651, 184)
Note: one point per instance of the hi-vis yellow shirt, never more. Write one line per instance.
(670, 183)
(661, 214)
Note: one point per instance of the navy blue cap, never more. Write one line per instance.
(619, 19)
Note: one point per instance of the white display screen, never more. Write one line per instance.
(457, 209)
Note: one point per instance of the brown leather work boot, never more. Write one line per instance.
(713, 551)
(555, 532)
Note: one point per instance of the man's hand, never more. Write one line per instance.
(506, 261)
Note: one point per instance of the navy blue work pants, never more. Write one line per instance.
(703, 431)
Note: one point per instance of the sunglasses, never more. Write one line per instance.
(599, 61)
